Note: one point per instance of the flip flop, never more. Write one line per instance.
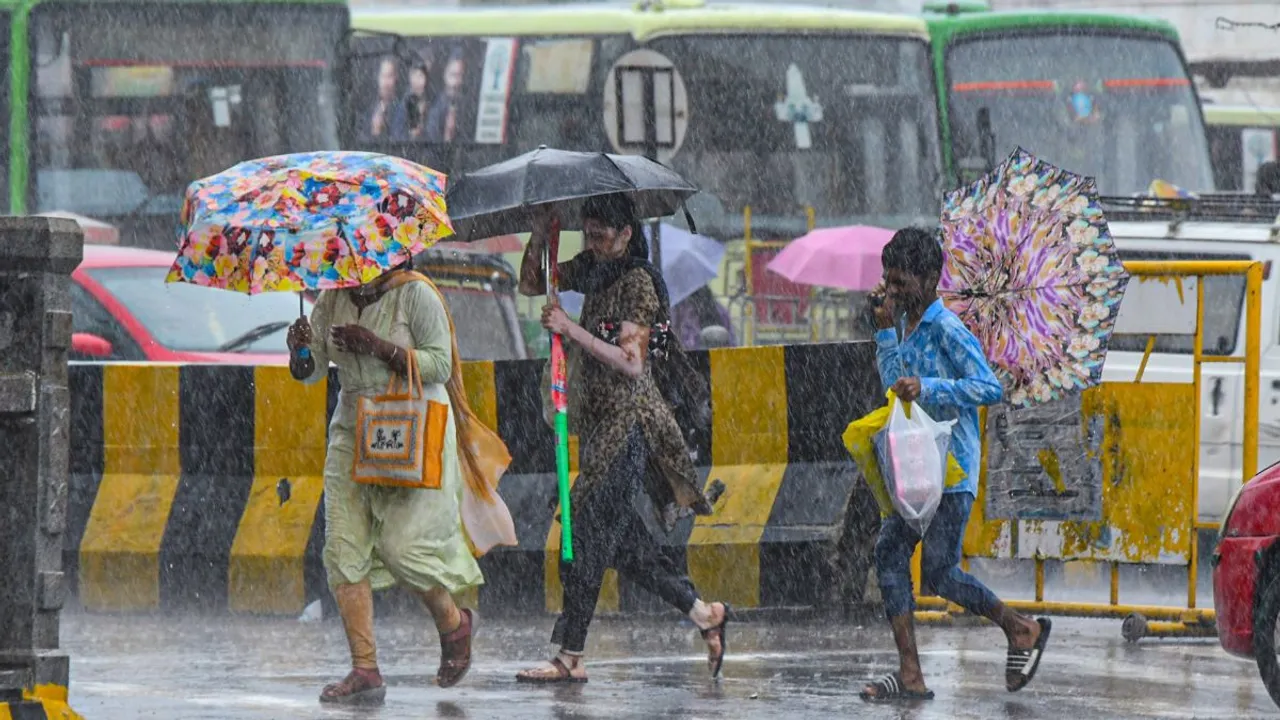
(563, 675)
(1026, 662)
(890, 689)
(718, 661)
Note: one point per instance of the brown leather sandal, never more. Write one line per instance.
(455, 652)
(541, 676)
(359, 687)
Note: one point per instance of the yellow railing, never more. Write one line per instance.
(1168, 621)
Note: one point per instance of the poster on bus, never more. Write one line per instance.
(434, 91)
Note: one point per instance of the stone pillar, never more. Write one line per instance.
(37, 257)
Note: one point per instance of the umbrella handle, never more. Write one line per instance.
(303, 353)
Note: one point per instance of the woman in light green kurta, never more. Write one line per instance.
(378, 536)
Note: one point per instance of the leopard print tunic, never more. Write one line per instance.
(606, 404)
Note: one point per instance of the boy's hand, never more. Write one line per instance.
(881, 307)
(907, 389)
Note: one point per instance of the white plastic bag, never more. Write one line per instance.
(912, 451)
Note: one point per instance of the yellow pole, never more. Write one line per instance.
(1146, 355)
(1196, 382)
(1039, 578)
(1115, 583)
(1252, 360)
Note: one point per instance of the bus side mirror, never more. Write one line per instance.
(90, 345)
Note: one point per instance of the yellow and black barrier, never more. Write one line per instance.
(44, 702)
(201, 486)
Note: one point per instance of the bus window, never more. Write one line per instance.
(1227, 153)
(424, 98)
(1067, 97)
(865, 158)
(735, 146)
(131, 106)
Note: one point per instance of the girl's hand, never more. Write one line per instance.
(555, 319)
(354, 339)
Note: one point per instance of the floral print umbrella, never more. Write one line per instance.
(1032, 270)
(308, 221)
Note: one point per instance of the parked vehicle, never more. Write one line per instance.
(481, 291)
(1246, 575)
(1215, 227)
(123, 311)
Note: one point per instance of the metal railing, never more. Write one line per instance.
(1148, 620)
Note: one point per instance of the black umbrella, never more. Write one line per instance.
(493, 200)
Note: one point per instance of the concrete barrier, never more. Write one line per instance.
(201, 486)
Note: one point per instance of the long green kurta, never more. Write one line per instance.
(389, 535)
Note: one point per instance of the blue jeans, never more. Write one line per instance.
(939, 563)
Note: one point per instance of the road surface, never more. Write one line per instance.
(232, 668)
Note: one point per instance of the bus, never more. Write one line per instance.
(1241, 139)
(1104, 95)
(114, 107)
(785, 116)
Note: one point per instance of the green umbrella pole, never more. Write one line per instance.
(562, 471)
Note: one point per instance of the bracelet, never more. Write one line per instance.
(394, 350)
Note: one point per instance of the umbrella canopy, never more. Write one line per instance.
(839, 257)
(308, 221)
(1032, 270)
(689, 261)
(494, 199)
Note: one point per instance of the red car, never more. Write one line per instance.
(123, 311)
(1246, 575)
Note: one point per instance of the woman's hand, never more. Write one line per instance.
(354, 339)
(555, 319)
(299, 335)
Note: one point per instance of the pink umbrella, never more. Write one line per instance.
(839, 257)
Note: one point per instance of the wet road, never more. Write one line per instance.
(198, 668)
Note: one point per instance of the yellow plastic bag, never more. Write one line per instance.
(858, 441)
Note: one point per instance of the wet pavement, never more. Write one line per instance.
(233, 668)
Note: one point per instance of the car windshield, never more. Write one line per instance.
(1118, 108)
(191, 318)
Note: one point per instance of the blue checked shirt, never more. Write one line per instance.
(954, 380)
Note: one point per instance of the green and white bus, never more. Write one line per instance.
(1106, 95)
(803, 115)
(114, 107)
(786, 116)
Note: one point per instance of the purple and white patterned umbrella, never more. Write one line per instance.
(1032, 270)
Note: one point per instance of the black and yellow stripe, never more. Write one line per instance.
(44, 702)
(177, 473)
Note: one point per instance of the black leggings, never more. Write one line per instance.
(609, 532)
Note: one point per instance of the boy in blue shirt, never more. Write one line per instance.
(927, 355)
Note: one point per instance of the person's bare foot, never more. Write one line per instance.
(712, 628)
